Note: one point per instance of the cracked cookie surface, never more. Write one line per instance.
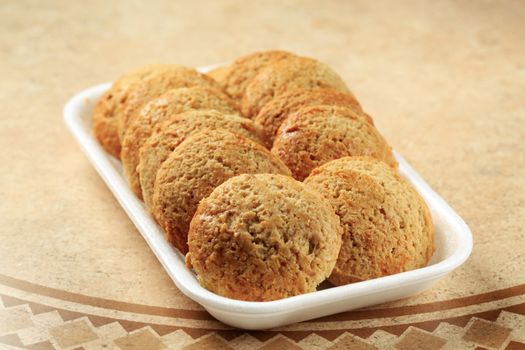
(156, 111)
(315, 135)
(387, 227)
(173, 131)
(263, 237)
(192, 171)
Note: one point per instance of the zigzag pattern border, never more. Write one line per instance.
(368, 337)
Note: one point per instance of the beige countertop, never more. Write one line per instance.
(444, 81)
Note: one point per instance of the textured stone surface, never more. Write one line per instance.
(444, 82)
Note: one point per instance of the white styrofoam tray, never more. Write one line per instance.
(453, 245)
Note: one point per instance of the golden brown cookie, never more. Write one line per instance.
(315, 135)
(263, 237)
(286, 74)
(111, 105)
(173, 131)
(198, 165)
(275, 112)
(160, 109)
(218, 73)
(235, 78)
(160, 81)
(387, 226)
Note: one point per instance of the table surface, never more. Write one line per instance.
(444, 81)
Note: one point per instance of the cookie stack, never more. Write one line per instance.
(266, 173)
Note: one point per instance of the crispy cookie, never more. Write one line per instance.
(198, 165)
(263, 237)
(157, 83)
(173, 131)
(111, 105)
(235, 78)
(171, 103)
(218, 73)
(315, 135)
(387, 226)
(275, 112)
(286, 74)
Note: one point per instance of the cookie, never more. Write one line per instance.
(263, 237)
(218, 73)
(235, 78)
(315, 135)
(159, 109)
(173, 131)
(286, 74)
(387, 227)
(111, 105)
(275, 112)
(198, 165)
(160, 81)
